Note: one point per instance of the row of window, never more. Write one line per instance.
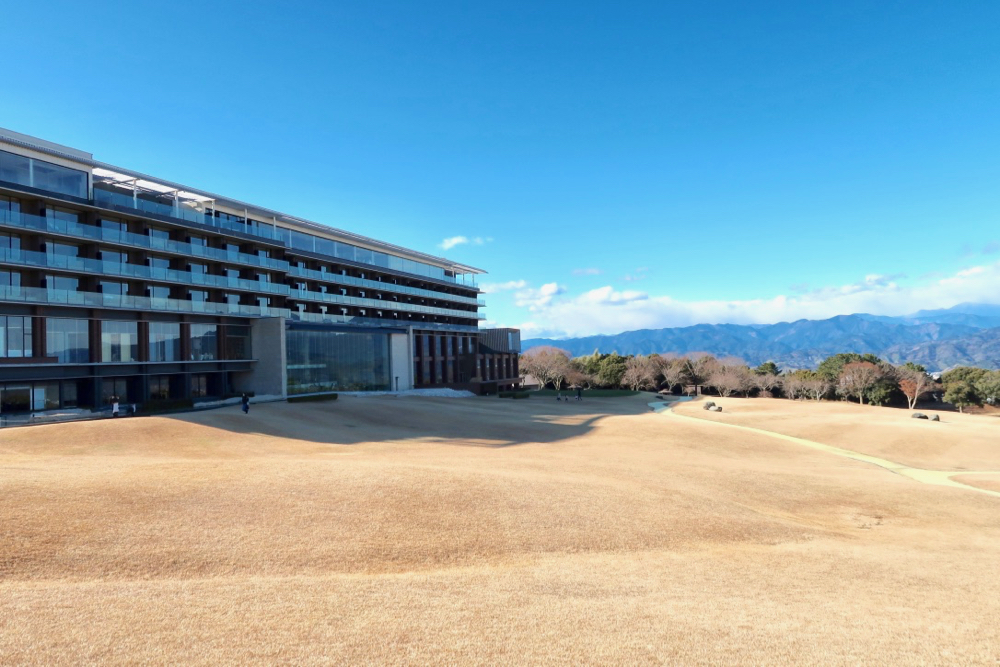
(22, 397)
(68, 340)
(428, 345)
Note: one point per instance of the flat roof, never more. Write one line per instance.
(280, 219)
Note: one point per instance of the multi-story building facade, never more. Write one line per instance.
(116, 283)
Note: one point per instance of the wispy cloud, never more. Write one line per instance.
(638, 274)
(587, 272)
(493, 288)
(450, 243)
(606, 310)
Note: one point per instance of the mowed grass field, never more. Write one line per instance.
(488, 531)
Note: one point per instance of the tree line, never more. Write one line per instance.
(849, 376)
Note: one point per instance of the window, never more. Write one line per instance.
(113, 288)
(112, 225)
(114, 389)
(62, 215)
(159, 234)
(162, 263)
(203, 342)
(61, 250)
(10, 279)
(159, 387)
(42, 175)
(114, 257)
(119, 341)
(199, 241)
(15, 336)
(9, 208)
(198, 269)
(198, 296)
(199, 385)
(158, 292)
(164, 341)
(238, 342)
(63, 283)
(67, 340)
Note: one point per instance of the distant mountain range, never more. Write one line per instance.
(967, 334)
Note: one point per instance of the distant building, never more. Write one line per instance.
(116, 283)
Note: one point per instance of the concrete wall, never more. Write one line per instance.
(401, 361)
(269, 375)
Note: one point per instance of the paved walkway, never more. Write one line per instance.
(936, 477)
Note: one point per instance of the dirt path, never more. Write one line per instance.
(936, 477)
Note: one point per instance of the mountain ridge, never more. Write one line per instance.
(966, 334)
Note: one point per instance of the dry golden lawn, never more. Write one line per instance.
(487, 531)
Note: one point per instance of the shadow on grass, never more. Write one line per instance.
(471, 422)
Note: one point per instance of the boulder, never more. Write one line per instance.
(918, 415)
(709, 405)
(716, 408)
(935, 418)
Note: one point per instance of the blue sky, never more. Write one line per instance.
(621, 165)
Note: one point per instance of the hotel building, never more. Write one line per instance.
(116, 283)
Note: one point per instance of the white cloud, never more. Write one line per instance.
(587, 272)
(538, 299)
(493, 288)
(450, 243)
(605, 310)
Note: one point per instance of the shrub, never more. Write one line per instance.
(312, 397)
(514, 394)
(167, 404)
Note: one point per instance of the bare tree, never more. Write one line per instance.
(547, 363)
(765, 382)
(817, 387)
(577, 378)
(672, 370)
(857, 378)
(699, 366)
(795, 386)
(640, 373)
(912, 383)
(727, 379)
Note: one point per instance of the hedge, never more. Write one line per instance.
(312, 397)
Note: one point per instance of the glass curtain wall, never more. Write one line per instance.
(67, 340)
(119, 341)
(164, 341)
(42, 175)
(203, 342)
(337, 361)
(15, 336)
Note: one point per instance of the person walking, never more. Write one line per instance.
(114, 406)
(245, 403)
(579, 393)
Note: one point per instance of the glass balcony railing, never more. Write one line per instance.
(121, 200)
(39, 223)
(326, 276)
(96, 300)
(43, 260)
(382, 305)
(324, 318)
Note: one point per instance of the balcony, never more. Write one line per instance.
(325, 276)
(382, 305)
(37, 295)
(320, 318)
(41, 260)
(165, 204)
(37, 223)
